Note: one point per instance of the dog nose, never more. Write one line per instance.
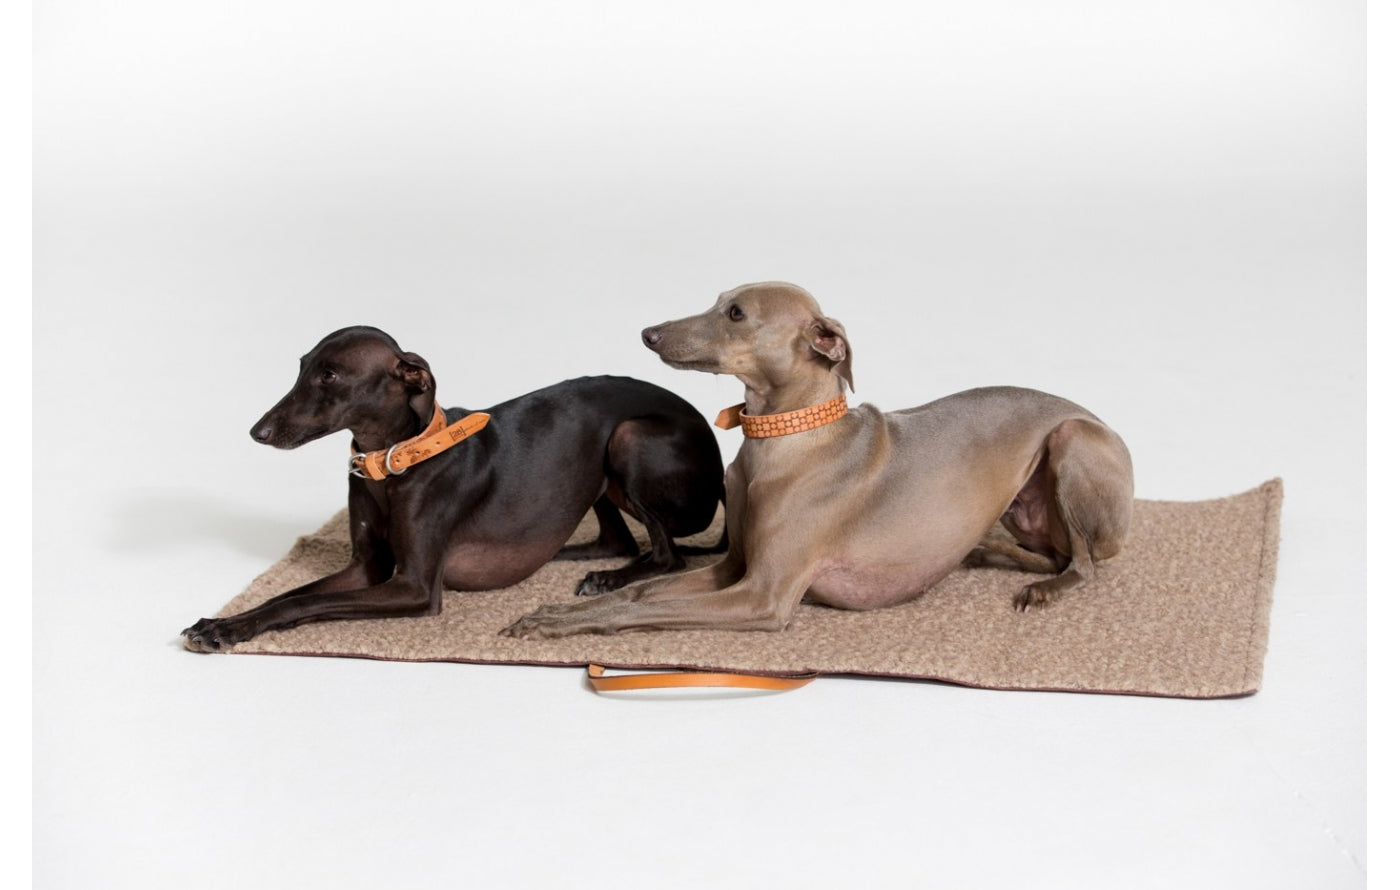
(651, 336)
(261, 432)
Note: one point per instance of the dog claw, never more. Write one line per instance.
(586, 588)
(595, 583)
(197, 642)
(542, 624)
(1032, 597)
(520, 630)
(207, 635)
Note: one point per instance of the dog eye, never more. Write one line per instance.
(328, 376)
(735, 313)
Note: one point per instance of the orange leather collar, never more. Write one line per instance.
(437, 438)
(764, 426)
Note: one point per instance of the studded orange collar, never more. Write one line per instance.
(765, 426)
(437, 438)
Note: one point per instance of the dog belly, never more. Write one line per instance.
(492, 566)
(906, 546)
(874, 587)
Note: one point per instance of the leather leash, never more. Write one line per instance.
(680, 679)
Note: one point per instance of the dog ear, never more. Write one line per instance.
(827, 338)
(414, 372)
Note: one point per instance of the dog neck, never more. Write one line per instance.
(767, 426)
(435, 438)
(762, 397)
(417, 415)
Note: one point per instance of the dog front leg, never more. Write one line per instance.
(392, 599)
(696, 581)
(415, 589)
(359, 574)
(753, 603)
(705, 579)
(371, 564)
(214, 634)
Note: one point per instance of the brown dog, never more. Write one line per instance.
(866, 509)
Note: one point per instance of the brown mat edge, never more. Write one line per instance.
(1264, 585)
(864, 675)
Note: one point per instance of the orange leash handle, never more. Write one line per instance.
(679, 679)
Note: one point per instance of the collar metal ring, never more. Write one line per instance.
(388, 461)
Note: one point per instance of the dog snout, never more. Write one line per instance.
(262, 431)
(271, 429)
(652, 336)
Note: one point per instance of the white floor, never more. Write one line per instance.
(1155, 210)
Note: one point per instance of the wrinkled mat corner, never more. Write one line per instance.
(1183, 612)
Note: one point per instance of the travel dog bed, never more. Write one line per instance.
(1183, 611)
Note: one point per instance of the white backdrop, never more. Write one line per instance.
(1155, 209)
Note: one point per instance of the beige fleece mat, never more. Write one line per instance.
(1183, 611)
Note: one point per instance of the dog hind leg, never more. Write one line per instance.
(655, 476)
(614, 537)
(1090, 509)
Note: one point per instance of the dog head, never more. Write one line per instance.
(767, 334)
(358, 379)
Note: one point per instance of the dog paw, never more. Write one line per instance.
(527, 627)
(1033, 597)
(595, 583)
(209, 635)
(549, 623)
